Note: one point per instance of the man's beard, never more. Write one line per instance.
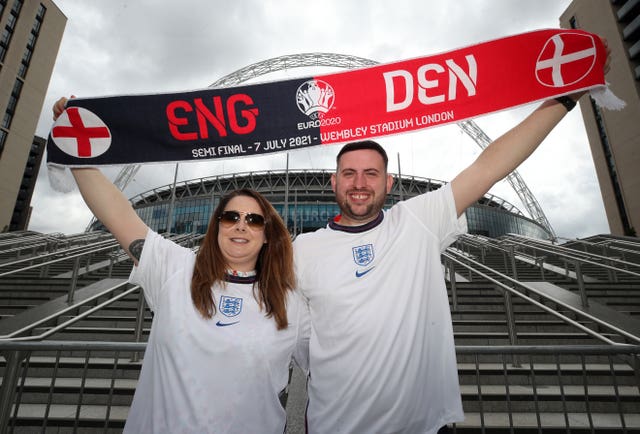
(370, 212)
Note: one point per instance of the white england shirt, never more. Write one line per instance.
(219, 375)
(381, 355)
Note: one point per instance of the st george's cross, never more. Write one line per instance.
(80, 133)
(558, 67)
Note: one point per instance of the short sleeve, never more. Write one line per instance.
(160, 260)
(437, 211)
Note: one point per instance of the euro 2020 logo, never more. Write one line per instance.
(315, 98)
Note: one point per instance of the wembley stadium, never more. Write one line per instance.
(306, 202)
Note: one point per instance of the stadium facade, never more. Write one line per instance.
(306, 202)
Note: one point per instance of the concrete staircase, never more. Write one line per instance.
(545, 387)
(539, 392)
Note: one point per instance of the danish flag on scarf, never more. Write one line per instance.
(566, 59)
(342, 107)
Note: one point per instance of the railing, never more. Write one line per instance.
(109, 293)
(582, 388)
(551, 389)
(520, 290)
(540, 249)
(76, 253)
(47, 243)
(114, 360)
(605, 262)
(589, 388)
(513, 248)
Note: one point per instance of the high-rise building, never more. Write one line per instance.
(614, 136)
(22, 209)
(31, 32)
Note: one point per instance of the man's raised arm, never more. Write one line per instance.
(505, 154)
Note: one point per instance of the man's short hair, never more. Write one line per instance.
(364, 144)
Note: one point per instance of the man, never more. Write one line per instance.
(382, 355)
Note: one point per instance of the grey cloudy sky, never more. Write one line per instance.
(113, 47)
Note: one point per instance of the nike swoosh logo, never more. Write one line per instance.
(224, 324)
(362, 273)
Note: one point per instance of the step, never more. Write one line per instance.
(603, 422)
(65, 414)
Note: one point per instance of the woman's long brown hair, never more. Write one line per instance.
(274, 268)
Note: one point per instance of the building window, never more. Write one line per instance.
(7, 32)
(31, 44)
(11, 21)
(26, 57)
(41, 11)
(17, 88)
(6, 37)
(12, 104)
(22, 70)
(36, 27)
(17, 6)
(39, 19)
(3, 139)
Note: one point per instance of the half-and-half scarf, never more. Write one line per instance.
(282, 116)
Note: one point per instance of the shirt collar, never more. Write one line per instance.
(333, 224)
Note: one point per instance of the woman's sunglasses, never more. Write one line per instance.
(230, 218)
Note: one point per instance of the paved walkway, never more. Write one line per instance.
(296, 402)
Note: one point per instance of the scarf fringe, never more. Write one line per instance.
(60, 178)
(606, 99)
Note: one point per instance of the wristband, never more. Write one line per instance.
(567, 102)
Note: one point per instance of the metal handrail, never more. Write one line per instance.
(577, 255)
(18, 353)
(72, 252)
(62, 345)
(547, 309)
(616, 348)
(14, 237)
(12, 336)
(38, 241)
(180, 239)
(71, 346)
(605, 244)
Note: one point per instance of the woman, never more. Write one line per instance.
(226, 321)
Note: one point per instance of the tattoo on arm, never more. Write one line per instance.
(135, 248)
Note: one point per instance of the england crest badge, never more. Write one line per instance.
(230, 306)
(363, 255)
